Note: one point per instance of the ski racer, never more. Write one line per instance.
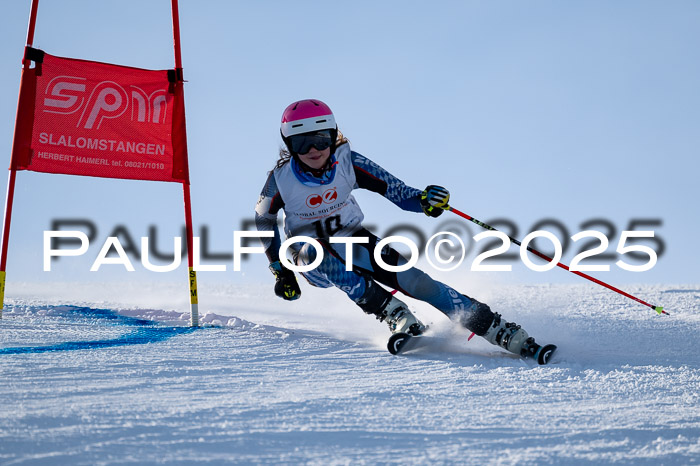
(312, 183)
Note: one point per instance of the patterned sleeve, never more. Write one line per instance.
(371, 176)
(266, 211)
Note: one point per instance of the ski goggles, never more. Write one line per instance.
(302, 143)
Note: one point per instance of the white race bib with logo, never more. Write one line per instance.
(320, 211)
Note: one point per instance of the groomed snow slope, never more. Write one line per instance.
(270, 382)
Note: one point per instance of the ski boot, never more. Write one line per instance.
(400, 319)
(386, 307)
(513, 338)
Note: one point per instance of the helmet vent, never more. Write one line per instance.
(321, 121)
(297, 125)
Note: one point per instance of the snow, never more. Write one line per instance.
(265, 381)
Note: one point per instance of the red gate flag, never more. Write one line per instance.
(81, 117)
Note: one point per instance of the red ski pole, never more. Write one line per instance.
(658, 309)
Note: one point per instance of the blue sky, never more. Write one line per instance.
(526, 111)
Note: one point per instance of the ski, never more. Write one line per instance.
(540, 353)
(401, 342)
(545, 353)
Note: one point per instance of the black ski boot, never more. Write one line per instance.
(386, 307)
(515, 339)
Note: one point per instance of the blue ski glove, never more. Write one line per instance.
(286, 286)
(434, 200)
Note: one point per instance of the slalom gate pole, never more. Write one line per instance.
(9, 199)
(192, 274)
(658, 309)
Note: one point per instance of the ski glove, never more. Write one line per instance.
(286, 286)
(434, 200)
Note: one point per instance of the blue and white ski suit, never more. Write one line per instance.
(324, 207)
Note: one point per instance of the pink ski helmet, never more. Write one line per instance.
(306, 116)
